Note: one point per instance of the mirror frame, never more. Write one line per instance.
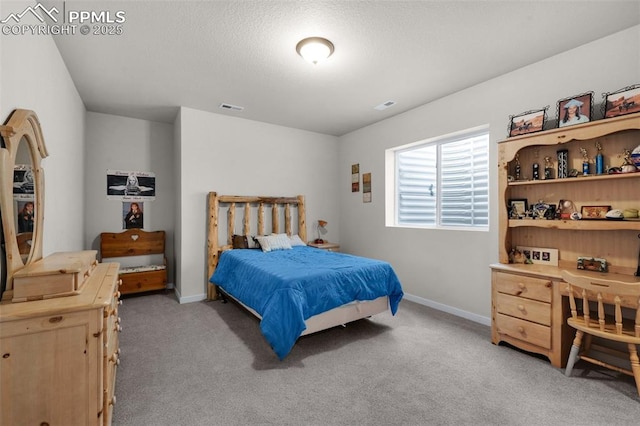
(21, 123)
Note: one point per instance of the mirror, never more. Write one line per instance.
(24, 197)
(21, 194)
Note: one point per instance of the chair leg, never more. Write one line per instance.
(635, 365)
(573, 355)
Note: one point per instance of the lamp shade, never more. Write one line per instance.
(321, 227)
(315, 49)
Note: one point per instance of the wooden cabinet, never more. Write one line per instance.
(137, 244)
(59, 356)
(325, 246)
(528, 307)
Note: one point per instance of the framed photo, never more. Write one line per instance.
(593, 264)
(540, 256)
(621, 102)
(527, 122)
(575, 110)
(517, 207)
(594, 212)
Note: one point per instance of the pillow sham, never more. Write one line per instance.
(240, 242)
(279, 242)
(245, 242)
(295, 240)
(274, 242)
(253, 243)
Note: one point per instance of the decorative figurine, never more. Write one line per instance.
(548, 168)
(566, 208)
(585, 161)
(563, 163)
(536, 171)
(599, 159)
(627, 165)
(517, 171)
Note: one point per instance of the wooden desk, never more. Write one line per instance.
(530, 307)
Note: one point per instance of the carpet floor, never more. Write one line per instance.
(206, 363)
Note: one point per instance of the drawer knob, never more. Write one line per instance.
(521, 329)
(521, 308)
(113, 400)
(120, 302)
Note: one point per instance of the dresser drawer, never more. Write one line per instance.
(523, 286)
(533, 333)
(527, 309)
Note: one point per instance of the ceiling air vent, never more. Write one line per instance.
(385, 105)
(231, 107)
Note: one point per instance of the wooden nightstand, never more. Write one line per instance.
(325, 246)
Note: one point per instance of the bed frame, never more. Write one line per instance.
(279, 206)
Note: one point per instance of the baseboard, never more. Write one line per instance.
(189, 299)
(449, 309)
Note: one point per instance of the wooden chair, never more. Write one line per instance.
(608, 297)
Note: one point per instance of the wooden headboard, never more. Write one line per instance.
(245, 204)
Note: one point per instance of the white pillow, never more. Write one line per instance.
(279, 242)
(264, 243)
(274, 242)
(296, 241)
(251, 242)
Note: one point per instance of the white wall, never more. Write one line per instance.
(34, 77)
(121, 143)
(450, 269)
(234, 156)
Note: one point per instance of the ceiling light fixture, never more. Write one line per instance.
(314, 49)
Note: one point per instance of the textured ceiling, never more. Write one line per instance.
(200, 54)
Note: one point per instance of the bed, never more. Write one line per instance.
(295, 290)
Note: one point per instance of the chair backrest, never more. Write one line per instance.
(602, 292)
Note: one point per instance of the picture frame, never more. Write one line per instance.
(517, 207)
(592, 264)
(539, 255)
(576, 109)
(621, 102)
(527, 122)
(594, 212)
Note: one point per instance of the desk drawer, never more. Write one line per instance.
(523, 286)
(533, 333)
(519, 307)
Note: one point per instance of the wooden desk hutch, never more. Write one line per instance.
(528, 308)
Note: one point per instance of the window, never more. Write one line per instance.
(443, 182)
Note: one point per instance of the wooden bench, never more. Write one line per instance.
(141, 244)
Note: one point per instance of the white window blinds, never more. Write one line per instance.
(445, 183)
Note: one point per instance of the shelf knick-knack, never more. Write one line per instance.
(585, 161)
(599, 159)
(563, 163)
(548, 168)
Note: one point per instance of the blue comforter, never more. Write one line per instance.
(286, 287)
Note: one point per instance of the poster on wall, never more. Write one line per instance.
(23, 178)
(366, 187)
(355, 178)
(127, 185)
(25, 217)
(132, 215)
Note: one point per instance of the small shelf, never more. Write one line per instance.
(581, 178)
(579, 225)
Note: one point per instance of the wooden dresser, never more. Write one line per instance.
(59, 356)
